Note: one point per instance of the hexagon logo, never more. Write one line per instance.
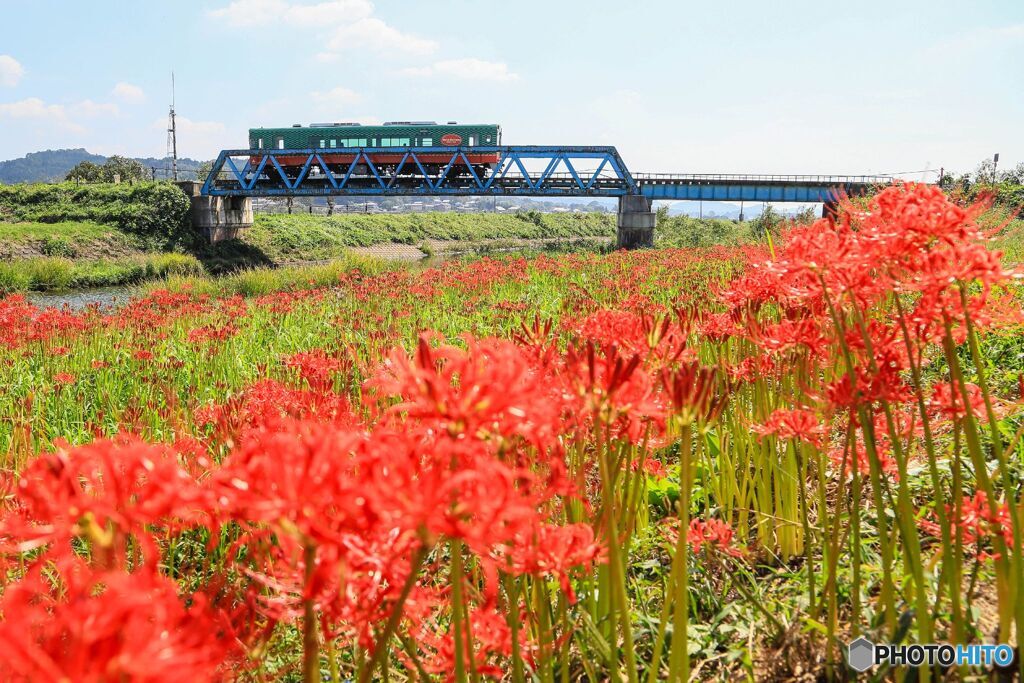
(860, 654)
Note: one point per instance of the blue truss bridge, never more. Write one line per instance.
(521, 170)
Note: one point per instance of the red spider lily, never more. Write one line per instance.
(106, 492)
(693, 393)
(317, 368)
(841, 460)
(632, 333)
(797, 423)
(270, 476)
(492, 644)
(493, 389)
(62, 379)
(83, 625)
(552, 550)
(713, 533)
(652, 466)
(947, 402)
(211, 334)
(977, 524)
(615, 390)
(268, 403)
(142, 355)
(21, 322)
(354, 582)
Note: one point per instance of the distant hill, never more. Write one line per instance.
(53, 164)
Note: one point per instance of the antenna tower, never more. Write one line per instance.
(172, 135)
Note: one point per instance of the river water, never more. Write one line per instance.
(103, 296)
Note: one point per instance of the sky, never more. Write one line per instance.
(745, 86)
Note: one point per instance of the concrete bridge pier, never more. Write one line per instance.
(636, 222)
(217, 218)
(830, 209)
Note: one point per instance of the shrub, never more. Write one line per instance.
(49, 272)
(163, 265)
(13, 279)
(158, 211)
(57, 246)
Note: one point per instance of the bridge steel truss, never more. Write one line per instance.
(456, 171)
(261, 173)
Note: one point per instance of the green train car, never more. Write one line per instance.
(392, 134)
(338, 142)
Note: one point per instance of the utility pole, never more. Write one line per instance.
(995, 166)
(172, 135)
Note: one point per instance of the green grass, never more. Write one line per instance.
(304, 237)
(1010, 240)
(49, 273)
(257, 281)
(29, 231)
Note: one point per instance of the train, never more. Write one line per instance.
(337, 144)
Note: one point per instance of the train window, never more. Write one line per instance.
(259, 143)
(488, 138)
(404, 142)
(472, 140)
(362, 142)
(385, 142)
(427, 142)
(280, 143)
(323, 143)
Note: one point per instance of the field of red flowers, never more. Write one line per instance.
(659, 465)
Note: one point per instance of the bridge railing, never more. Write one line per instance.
(762, 178)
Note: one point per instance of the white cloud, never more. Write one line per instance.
(345, 24)
(10, 71)
(35, 110)
(128, 93)
(373, 34)
(89, 110)
(248, 13)
(202, 139)
(336, 98)
(469, 68)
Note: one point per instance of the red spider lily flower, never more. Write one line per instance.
(100, 364)
(841, 460)
(947, 403)
(652, 466)
(712, 534)
(632, 333)
(492, 644)
(63, 379)
(317, 368)
(977, 523)
(552, 550)
(211, 334)
(491, 389)
(142, 355)
(615, 390)
(694, 393)
(270, 476)
(797, 423)
(84, 625)
(105, 492)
